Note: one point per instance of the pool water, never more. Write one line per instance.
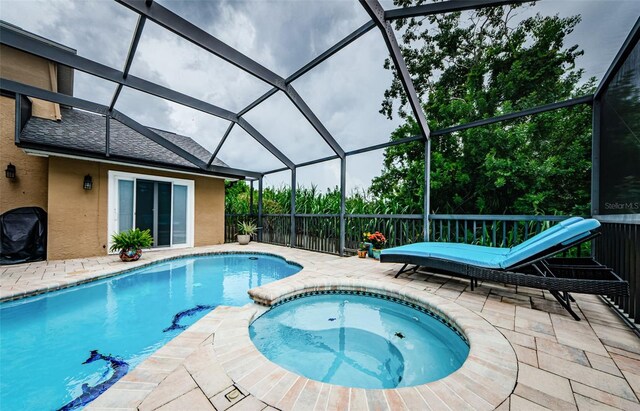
(361, 341)
(113, 325)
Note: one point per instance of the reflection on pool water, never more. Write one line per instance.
(54, 344)
(360, 341)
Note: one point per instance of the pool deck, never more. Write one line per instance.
(529, 354)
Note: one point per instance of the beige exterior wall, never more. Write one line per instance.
(26, 68)
(78, 218)
(30, 185)
(209, 211)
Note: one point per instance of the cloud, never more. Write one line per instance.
(345, 92)
(604, 27)
(242, 151)
(168, 59)
(281, 122)
(99, 30)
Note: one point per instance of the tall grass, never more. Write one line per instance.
(322, 233)
(309, 200)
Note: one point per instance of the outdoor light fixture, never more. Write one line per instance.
(10, 172)
(88, 182)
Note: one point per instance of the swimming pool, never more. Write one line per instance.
(54, 343)
(359, 340)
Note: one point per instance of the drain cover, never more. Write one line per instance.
(232, 395)
(253, 258)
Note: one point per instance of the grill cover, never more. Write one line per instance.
(23, 235)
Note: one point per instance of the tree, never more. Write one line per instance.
(466, 69)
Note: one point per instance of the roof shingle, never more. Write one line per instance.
(81, 130)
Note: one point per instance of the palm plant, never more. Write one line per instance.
(134, 238)
(130, 243)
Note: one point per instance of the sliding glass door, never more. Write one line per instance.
(125, 205)
(144, 200)
(179, 223)
(163, 216)
(153, 210)
(161, 205)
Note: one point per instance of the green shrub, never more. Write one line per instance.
(134, 238)
(247, 227)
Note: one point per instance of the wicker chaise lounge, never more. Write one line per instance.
(530, 264)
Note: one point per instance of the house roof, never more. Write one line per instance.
(83, 132)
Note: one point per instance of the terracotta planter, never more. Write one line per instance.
(130, 254)
(376, 253)
(363, 253)
(244, 239)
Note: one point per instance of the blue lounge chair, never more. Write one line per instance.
(528, 264)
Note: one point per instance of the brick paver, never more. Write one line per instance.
(561, 363)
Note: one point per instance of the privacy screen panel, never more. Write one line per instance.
(620, 140)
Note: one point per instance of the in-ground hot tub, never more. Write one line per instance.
(359, 339)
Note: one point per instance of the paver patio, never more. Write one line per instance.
(561, 363)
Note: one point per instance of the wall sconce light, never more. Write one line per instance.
(88, 182)
(10, 172)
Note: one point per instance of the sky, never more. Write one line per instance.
(345, 92)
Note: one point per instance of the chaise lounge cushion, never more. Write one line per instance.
(564, 236)
(501, 258)
(463, 248)
(469, 254)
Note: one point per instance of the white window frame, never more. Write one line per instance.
(113, 201)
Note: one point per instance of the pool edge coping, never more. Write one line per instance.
(100, 275)
(484, 382)
(227, 329)
(491, 356)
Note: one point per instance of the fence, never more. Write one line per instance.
(231, 225)
(321, 232)
(398, 229)
(488, 230)
(619, 248)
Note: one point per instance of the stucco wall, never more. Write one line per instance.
(78, 218)
(209, 211)
(26, 68)
(30, 186)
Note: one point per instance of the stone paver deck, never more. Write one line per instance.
(557, 363)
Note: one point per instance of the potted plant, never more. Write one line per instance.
(245, 230)
(130, 243)
(378, 241)
(363, 250)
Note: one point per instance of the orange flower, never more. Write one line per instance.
(377, 239)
